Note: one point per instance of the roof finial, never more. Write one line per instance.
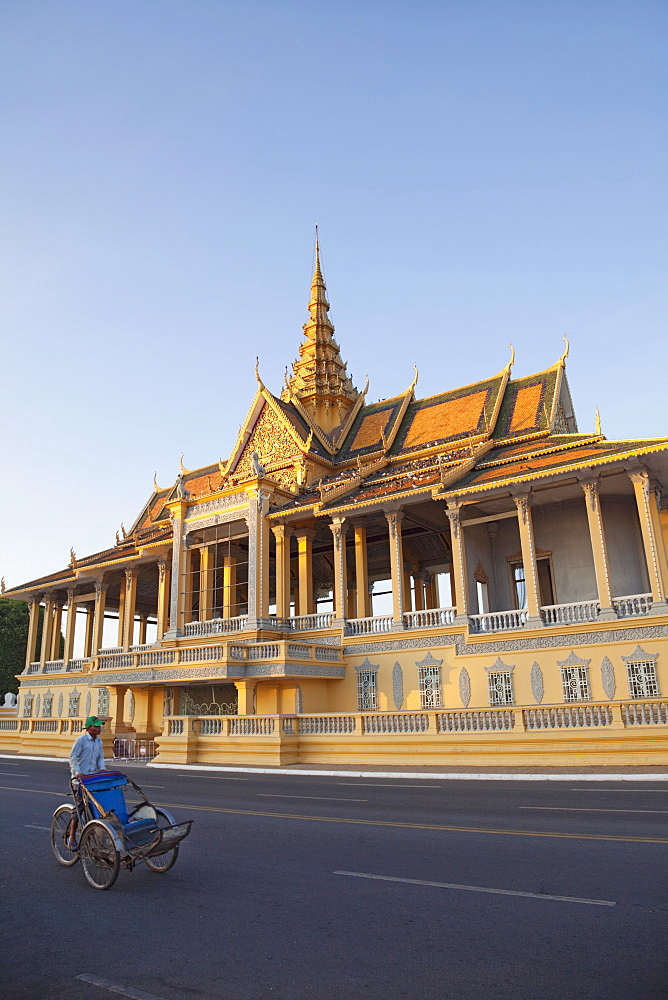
(182, 466)
(512, 357)
(3, 588)
(155, 482)
(597, 422)
(257, 373)
(562, 359)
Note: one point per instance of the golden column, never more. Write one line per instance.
(245, 697)
(339, 528)
(56, 628)
(47, 631)
(305, 538)
(33, 623)
(229, 586)
(163, 598)
(143, 623)
(129, 608)
(206, 582)
(98, 617)
(654, 501)
(394, 519)
(177, 510)
(258, 557)
(599, 548)
(646, 501)
(361, 572)
(117, 710)
(459, 575)
(528, 546)
(121, 613)
(69, 628)
(282, 534)
(90, 629)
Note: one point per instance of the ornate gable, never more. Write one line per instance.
(273, 442)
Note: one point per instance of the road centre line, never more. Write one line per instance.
(33, 826)
(326, 798)
(584, 809)
(215, 777)
(624, 790)
(15, 774)
(376, 822)
(125, 991)
(479, 888)
(374, 784)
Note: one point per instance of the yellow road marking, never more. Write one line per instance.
(378, 822)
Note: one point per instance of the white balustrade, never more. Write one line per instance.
(217, 626)
(156, 658)
(400, 722)
(202, 654)
(367, 626)
(75, 665)
(45, 726)
(326, 725)
(475, 720)
(33, 668)
(652, 713)
(429, 619)
(300, 650)
(211, 727)
(568, 717)
(9, 724)
(251, 725)
(632, 605)
(175, 727)
(112, 649)
(498, 621)
(570, 614)
(306, 623)
(54, 666)
(115, 660)
(327, 653)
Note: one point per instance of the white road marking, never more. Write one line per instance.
(573, 809)
(125, 991)
(327, 798)
(31, 826)
(374, 784)
(16, 774)
(151, 786)
(216, 777)
(624, 790)
(479, 888)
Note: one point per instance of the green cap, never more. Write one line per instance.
(93, 720)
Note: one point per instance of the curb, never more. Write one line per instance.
(418, 776)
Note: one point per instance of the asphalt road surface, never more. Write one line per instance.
(344, 888)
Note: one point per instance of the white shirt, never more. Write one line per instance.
(87, 755)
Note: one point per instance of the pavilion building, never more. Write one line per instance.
(466, 573)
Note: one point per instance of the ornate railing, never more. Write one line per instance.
(323, 725)
(114, 661)
(570, 614)
(201, 654)
(54, 666)
(217, 626)
(632, 606)
(156, 658)
(396, 722)
(76, 665)
(476, 720)
(568, 717)
(645, 713)
(498, 621)
(429, 619)
(367, 626)
(305, 623)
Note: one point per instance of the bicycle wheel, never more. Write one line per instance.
(163, 862)
(59, 827)
(99, 858)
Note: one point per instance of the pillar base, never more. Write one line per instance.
(339, 623)
(398, 626)
(534, 622)
(607, 615)
(173, 633)
(461, 620)
(261, 624)
(658, 608)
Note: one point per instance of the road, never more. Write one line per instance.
(342, 888)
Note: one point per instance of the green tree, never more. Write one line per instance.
(14, 641)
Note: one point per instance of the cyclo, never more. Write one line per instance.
(114, 833)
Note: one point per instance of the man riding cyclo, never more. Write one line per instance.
(86, 757)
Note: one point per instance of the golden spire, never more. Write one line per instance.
(319, 381)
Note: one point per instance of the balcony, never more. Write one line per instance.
(577, 613)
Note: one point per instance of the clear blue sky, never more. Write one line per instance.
(480, 171)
